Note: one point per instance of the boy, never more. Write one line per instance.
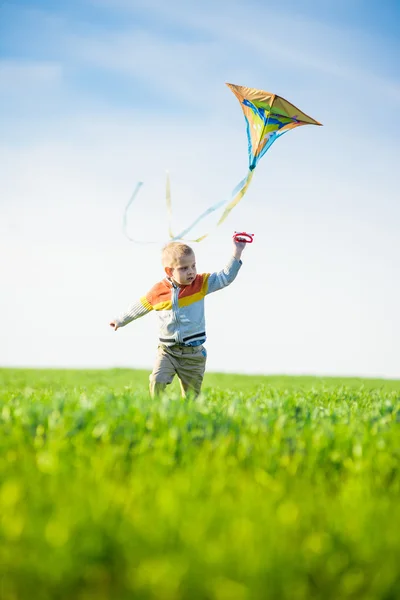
(179, 301)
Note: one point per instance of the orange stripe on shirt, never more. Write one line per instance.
(194, 288)
(159, 297)
(197, 291)
(159, 293)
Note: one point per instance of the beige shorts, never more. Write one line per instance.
(188, 362)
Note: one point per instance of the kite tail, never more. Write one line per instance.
(237, 194)
(169, 205)
(125, 217)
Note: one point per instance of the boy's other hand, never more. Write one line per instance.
(114, 325)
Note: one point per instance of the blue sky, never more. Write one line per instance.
(95, 95)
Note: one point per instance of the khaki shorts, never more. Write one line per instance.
(188, 362)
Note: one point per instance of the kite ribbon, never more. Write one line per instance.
(236, 196)
(169, 206)
(125, 219)
(133, 198)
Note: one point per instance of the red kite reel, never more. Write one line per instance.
(242, 236)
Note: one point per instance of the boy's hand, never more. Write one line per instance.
(113, 324)
(238, 248)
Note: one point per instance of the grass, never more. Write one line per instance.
(264, 487)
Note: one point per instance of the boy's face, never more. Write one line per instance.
(184, 271)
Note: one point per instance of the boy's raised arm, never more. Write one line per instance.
(238, 248)
(223, 278)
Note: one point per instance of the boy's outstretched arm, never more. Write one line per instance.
(135, 311)
(238, 248)
(223, 278)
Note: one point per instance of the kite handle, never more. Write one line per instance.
(242, 236)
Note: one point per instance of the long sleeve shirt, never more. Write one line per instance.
(181, 308)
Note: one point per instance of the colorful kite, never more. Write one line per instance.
(268, 116)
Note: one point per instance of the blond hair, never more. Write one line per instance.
(172, 252)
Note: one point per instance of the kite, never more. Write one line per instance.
(268, 116)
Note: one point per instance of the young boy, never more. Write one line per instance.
(179, 302)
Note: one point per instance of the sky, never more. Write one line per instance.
(96, 95)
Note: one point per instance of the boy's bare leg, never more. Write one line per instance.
(183, 392)
(156, 389)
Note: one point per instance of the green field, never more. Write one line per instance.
(263, 488)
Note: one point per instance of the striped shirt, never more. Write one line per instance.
(181, 308)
